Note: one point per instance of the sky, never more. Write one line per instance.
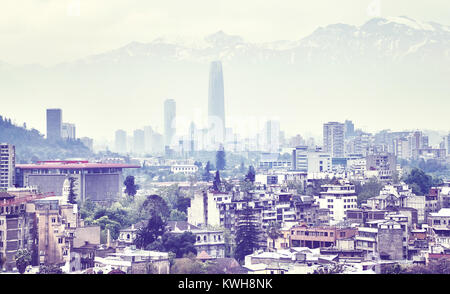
(65, 30)
(49, 32)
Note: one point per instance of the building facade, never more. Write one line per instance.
(7, 165)
(54, 124)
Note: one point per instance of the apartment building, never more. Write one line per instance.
(7, 165)
(337, 198)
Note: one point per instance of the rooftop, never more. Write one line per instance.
(443, 212)
(73, 165)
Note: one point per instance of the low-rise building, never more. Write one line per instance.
(316, 237)
(134, 261)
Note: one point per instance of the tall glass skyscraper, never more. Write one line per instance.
(216, 105)
(54, 124)
(169, 121)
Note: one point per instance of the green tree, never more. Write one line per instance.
(220, 159)
(72, 195)
(216, 182)
(207, 172)
(248, 233)
(188, 265)
(176, 215)
(156, 205)
(423, 181)
(368, 190)
(180, 244)
(154, 229)
(130, 187)
(251, 174)
(274, 232)
(23, 259)
(182, 204)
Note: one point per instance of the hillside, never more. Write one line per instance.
(32, 146)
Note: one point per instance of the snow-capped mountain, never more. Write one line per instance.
(379, 39)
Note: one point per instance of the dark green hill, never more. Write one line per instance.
(32, 146)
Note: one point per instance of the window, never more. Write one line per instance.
(53, 220)
(60, 240)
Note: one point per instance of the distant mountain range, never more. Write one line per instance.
(394, 39)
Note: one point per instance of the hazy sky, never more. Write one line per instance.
(64, 30)
(49, 32)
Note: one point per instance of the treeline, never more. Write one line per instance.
(31, 145)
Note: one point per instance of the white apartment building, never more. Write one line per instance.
(68, 131)
(310, 162)
(204, 209)
(337, 199)
(7, 165)
(333, 138)
(184, 168)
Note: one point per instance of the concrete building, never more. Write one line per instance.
(385, 164)
(16, 228)
(384, 240)
(134, 261)
(273, 161)
(121, 141)
(206, 240)
(138, 141)
(184, 168)
(310, 162)
(338, 199)
(333, 139)
(316, 237)
(99, 182)
(7, 166)
(349, 129)
(169, 122)
(272, 136)
(440, 219)
(54, 124)
(68, 131)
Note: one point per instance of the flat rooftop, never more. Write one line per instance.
(73, 165)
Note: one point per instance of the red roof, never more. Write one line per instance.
(73, 165)
(438, 256)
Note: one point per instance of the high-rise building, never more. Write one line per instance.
(157, 143)
(169, 121)
(139, 141)
(216, 104)
(7, 165)
(446, 144)
(54, 124)
(272, 134)
(121, 141)
(148, 135)
(349, 129)
(68, 131)
(333, 139)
